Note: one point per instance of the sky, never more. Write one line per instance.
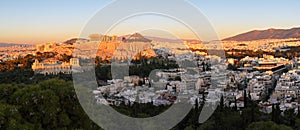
(36, 21)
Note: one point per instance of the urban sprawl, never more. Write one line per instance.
(267, 71)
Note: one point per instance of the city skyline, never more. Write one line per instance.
(38, 22)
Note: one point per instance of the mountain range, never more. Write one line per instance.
(156, 38)
(12, 44)
(248, 36)
(266, 34)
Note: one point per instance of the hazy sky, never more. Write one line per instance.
(37, 21)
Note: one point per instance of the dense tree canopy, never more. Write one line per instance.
(50, 104)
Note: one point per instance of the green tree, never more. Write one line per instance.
(269, 125)
(222, 102)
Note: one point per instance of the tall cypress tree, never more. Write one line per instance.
(249, 95)
(273, 113)
(298, 114)
(277, 113)
(196, 114)
(252, 111)
(196, 104)
(245, 99)
(203, 99)
(222, 102)
(235, 104)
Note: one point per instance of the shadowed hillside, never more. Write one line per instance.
(266, 34)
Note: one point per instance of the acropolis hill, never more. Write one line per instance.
(105, 47)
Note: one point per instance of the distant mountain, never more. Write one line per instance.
(136, 37)
(12, 44)
(157, 39)
(73, 40)
(266, 34)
